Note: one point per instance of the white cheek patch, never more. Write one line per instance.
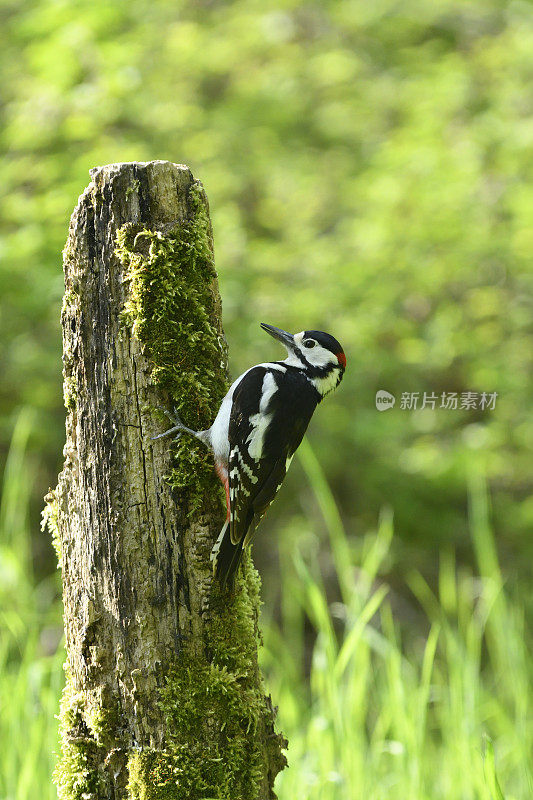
(320, 357)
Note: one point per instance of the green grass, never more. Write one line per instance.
(421, 699)
(435, 708)
(31, 674)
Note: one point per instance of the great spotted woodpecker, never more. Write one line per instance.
(260, 424)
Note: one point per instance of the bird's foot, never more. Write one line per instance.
(178, 427)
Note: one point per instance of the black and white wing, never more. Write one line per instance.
(270, 413)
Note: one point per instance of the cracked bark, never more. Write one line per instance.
(135, 562)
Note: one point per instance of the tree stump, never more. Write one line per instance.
(163, 695)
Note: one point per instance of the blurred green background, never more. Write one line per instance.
(369, 169)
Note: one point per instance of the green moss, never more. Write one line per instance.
(87, 733)
(171, 309)
(70, 390)
(49, 521)
(68, 310)
(77, 774)
(215, 710)
(151, 776)
(132, 188)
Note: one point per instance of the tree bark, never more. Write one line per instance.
(163, 695)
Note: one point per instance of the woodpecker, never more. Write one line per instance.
(260, 424)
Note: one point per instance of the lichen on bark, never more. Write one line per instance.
(164, 698)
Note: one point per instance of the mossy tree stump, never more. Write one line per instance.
(163, 694)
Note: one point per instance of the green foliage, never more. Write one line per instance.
(368, 171)
(389, 711)
(30, 628)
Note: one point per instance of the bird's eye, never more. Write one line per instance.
(309, 343)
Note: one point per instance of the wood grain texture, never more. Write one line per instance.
(135, 563)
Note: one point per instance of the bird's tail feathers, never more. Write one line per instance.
(226, 558)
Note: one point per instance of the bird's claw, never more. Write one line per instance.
(176, 429)
(178, 426)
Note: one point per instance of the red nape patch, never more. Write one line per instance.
(341, 359)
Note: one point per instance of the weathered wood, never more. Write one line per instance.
(163, 696)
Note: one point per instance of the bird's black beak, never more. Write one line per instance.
(282, 336)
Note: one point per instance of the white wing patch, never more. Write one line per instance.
(218, 432)
(261, 420)
(277, 367)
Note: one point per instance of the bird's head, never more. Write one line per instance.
(318, 354)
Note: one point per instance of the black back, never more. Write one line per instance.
(254, 482)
